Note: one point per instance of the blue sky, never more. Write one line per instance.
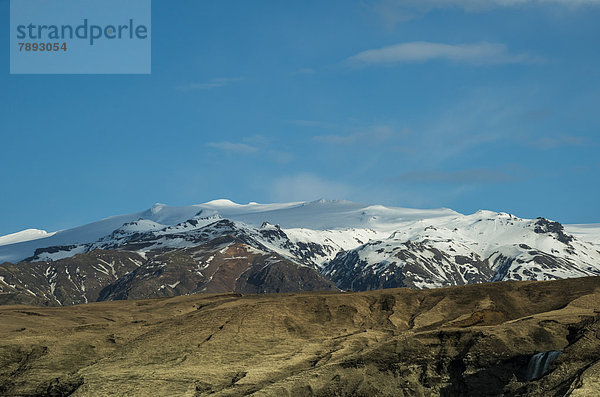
(463, 104)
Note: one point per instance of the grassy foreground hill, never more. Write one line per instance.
(470, 340)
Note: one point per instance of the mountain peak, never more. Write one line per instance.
(224, 203)
(156, 208)
(24, 235)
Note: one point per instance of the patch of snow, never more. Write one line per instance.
(223, 203)
(112, 267)
(24, 235)
(135, 262)
(54, 256)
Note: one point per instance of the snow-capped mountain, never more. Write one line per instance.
(299, 216)
(166, 251)
(462, 249)
(586, 232)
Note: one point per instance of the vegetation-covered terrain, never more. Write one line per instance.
(469, 340)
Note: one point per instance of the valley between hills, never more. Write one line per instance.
(478, 339)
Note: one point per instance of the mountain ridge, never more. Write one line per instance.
(357, 246)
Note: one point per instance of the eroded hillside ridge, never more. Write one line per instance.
(222, 246)
(469, 340)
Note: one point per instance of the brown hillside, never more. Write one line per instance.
(471, 340)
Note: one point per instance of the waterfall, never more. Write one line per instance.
(539, 363)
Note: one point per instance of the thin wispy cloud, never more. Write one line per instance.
(280, 156)
(233, 147)
(485, 4)
(253, 145)
(423, 51)
(367, 134)
(337, 139)
(268, 147)
(371, 136)
(466, 176)
(555, 142)
(537, 114)
(212, 83)
(307, 187)
(392, 12)
(479, 121)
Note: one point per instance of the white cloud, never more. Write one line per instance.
(212, 83)
(307, 187)
(233, 147)
(394, 11)
(422, 51)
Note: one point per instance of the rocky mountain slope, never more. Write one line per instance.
(492, 339)
(485, 246)
(222, 246)
(74, 280)
(223, 264)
